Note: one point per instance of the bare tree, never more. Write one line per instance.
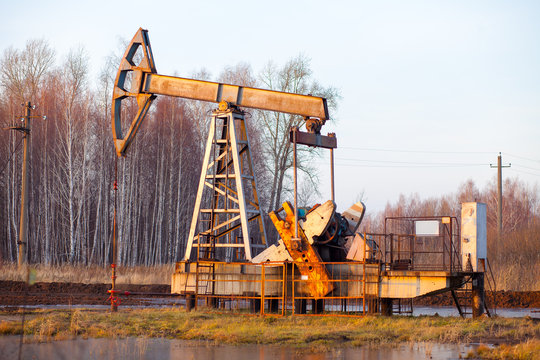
(72, 128)
(21, 75)
(296, 77)
(21, 72)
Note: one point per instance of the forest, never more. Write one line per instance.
(73, 168)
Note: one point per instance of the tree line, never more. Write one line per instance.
(73, 165)
(515, 255)
(73, 168)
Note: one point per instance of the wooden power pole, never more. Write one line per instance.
(499, 193)
(23, 228)
(23, 225)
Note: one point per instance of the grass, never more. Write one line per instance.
(321, 333)
(528, 350)
(91, 274)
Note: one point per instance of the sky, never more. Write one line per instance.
(431, 91)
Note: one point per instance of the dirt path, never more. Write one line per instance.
(502, 299)
(14, 293)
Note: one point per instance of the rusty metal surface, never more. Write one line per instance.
(128, 67)
(304, 255)
(305, 105)
(278, 288)
(142, 83)
(402, 249)
(227, 177)
(313, 139)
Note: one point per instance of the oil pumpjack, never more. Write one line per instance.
(227, 224)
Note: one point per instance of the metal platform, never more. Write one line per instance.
(359, 287)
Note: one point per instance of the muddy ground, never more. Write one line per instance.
(14, 293)
(500, 299)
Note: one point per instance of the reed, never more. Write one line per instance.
(303, 332)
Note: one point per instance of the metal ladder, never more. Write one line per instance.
(463, 299)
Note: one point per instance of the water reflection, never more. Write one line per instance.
(145, 348)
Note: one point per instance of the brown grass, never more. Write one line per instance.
(515, 258)
(528, 350)
(92, 274)
(317, 332)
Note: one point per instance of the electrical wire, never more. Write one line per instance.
(417, 151)
(524, 172)
(523, 157)
(405, 166)
(526, 167)
(413, 163)
(3, 168)
(409, 164)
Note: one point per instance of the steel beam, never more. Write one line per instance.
(139, 80)
(305, 105)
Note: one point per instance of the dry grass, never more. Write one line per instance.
(90, 274)
(528, 350)
(515, 258)
(307, 332)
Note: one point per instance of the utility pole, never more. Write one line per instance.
(23, 228)
(499, 191)
(23, 225)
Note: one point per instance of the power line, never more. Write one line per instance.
(527, 167)
(416, 151)
(526, 172)
(11, 155)
(405, 166)
(523, 158)
(414, 163)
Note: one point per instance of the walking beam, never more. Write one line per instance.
(137, 78)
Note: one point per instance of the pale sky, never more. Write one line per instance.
(431, 90)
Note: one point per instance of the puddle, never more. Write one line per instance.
(452, 311)
(418, 310)
(146, 348)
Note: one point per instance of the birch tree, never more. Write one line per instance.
(21, 75)
(295, 76)
(72, 128)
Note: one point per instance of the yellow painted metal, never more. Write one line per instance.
(410, 284)
(304, 255)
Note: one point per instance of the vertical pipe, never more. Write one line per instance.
(284, 290)
(391, 248)
(412, 240)
(364, 278)
(451, 250)
(263, 278)
(332, 171)
(293, 299)
(332, 174)
(23, 229)
(114, 299)
(295, 130)
(500, 199)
